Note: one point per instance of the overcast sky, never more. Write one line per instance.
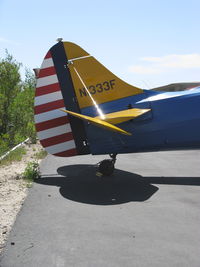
(147, 43)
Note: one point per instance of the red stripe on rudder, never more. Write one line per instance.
(67, 153)
(47, 72)
(41, 126)
(56, 139)
(49, 106)
(48, 55)
(47, 89)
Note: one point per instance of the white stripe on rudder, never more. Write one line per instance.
(44, 81)
(66, 128)
(47, 63)
(49, 115)
(43, 99)
(61, 147)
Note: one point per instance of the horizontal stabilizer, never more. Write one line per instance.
(98, 122)
(124, 115)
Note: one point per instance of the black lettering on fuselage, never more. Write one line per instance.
(83, 92)
(112, 83)
(98, 88)
(92, 89)
(106, 86)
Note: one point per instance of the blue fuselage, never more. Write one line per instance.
(173, 123)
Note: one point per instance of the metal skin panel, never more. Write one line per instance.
(174, 125)
(74, 51)
(103, 85)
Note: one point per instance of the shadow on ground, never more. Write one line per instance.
(80, 183)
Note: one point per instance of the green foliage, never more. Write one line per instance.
(21, 110)
(31, 132)
(15, 155)
(31, 172)
(41, 154)
(4, 143)
(9, 88)
(16, 104)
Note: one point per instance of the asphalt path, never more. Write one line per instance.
(146, 214)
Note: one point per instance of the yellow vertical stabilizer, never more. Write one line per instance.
(92, 81)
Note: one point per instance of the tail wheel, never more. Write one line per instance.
(106, 167)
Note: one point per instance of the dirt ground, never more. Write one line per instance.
(13, 190)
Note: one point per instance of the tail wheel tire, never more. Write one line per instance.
(106, 167)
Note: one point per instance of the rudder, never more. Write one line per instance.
(59, 134)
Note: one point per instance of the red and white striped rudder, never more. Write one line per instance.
(52, 125)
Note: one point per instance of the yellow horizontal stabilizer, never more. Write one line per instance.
(98, 122)
(124, 115)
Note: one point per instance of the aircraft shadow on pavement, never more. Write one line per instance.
(80, 183)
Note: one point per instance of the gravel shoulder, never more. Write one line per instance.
(13, 190)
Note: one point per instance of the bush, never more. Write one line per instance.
(31, 172)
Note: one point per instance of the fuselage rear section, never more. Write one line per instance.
(172, 124)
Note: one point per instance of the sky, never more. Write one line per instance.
(147, 43)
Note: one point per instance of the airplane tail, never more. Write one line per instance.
(71, 79)
(90, 77)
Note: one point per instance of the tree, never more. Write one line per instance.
(10, 86)
(16, 104)
(21, 110)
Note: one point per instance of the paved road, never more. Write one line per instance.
(147, 214)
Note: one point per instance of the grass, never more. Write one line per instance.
(41, 154)
(31, 172)
(32, 169)
(15, 155)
